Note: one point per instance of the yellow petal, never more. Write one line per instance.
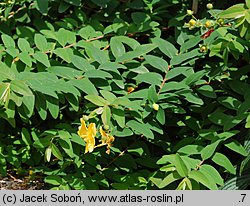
(82, 130)
(90, 144)
(106, 139)
(104, 135)
(92, 129)
(88, 135)
(90, 139)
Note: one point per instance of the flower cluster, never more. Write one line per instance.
(89, 133)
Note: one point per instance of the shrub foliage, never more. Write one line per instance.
(162, 93)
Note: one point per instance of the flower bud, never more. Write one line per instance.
(203, 48)
(106, 127)
(189, 12)
(156, 107)
(209, 6)
(220, 21)
(85, 118)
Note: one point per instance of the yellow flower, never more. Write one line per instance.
(207, 24)
(88, 135)
(106, 140)
(192, 22)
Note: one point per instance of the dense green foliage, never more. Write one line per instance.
(170, 86)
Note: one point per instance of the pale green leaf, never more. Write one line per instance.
(97, 100)
(65, 53)
(41, 42)
(141, 129)
(42, 58)
(223, 161)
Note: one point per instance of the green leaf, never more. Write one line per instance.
(237, 147)
(55, 151)
(176, 71)
(117, 48)
(150, 78)
(41, 105)
(20, 87)
(157, 62)
(139, 17)
(48, 154)
(180, 58)
(65, 53)
(65, 72)
(191, 163)
(209, 150)
(160, 116)
(101, 56)
(8, 41)
(23, 45)
(227, 121)
(152, 95)
(177, 161)
(26, 136)
(128, 41)
(235, 11)
(53, 106)
(170, 86)
(12, 52)
(81, 63)
(237, 183)
(190, 43)
(247, 125)
(207, 91)
(141, 129)
(190, 149)
(223, 161)
(203, 179)
(9, 114)
(84, 85)
(180, 165)
(138, 52)
(209, 170)
(106, 115)
(97, 100)
(78, 140)
(98, 74)
(119, 116)
(4, 92)
(65, 143)
(43, 58)
(53, 180)
(108, 95)
(172, 177)
(248, 3)
(166, 47)
(41, 42)
(28, 105)
(25, 58)
(42, 6)
(190, 80)
(124, 133)
(190, 97)
(65, 36)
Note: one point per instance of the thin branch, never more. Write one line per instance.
(164, 80)
(120, 154)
